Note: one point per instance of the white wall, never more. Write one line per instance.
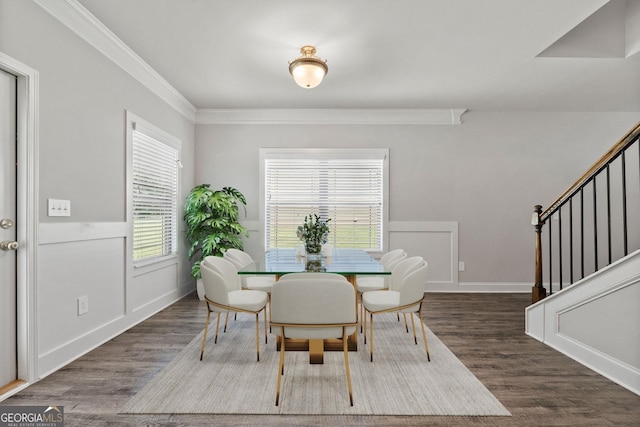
(81, 154)
(484, 175)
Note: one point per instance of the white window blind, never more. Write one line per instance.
(349, 191)
(155, 197)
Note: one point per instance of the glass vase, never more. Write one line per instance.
(314, 256)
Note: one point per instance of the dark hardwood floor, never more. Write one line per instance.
(538, 385)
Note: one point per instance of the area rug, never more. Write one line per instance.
(400, 380)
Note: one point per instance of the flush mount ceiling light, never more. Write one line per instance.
(308, 70)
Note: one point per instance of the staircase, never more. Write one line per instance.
(586, 300)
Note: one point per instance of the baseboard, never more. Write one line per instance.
(68, 352)
(481, 287)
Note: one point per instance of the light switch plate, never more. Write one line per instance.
(57, 207)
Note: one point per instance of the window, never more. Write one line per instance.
(347, 186)
(153, 192)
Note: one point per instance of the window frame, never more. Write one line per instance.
(136, 123)
(324, 153)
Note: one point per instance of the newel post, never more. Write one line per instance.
(538, 292)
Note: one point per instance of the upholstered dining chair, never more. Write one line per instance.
(224, 294)
(398, 271)
(378, 283)
(322, 308)
(405, 295)
(241, 259)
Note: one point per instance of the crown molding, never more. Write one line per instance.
(88, 27)
(322, 116)
(75, 16)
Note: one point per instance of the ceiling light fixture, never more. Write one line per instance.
(308, 70)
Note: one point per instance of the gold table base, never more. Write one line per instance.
(316, 348)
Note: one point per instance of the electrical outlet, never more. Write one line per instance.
(461, 266)
(83, 305)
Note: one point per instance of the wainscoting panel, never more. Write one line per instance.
(595, 321)
(145, 289)
(88, 260)
(93, 269)
(437, 243)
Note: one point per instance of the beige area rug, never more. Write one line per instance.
(400, 381)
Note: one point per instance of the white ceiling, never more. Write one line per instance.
(388, 54)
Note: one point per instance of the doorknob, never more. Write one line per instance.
(7, 245)
(6, 223)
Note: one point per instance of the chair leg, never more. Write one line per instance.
(265, 326)
(269, 304)
(413, 326)
(371, 335)
(346, 363)
(257, 337)
(215, 341)
(226, 321)
(280, 367)
(364, 321)
(361, 312)
(424, 337)
(206, 330)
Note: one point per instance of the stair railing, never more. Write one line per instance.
(603, 205)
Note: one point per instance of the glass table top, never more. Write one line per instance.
(342, 261)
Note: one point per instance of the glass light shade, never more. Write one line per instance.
(308, 70)
(307, 74)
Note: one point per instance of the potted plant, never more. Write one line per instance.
(212, 223)
(314, 232)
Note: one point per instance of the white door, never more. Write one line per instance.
(8, 279)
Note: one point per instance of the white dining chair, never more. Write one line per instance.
(405, 295)
(261, 282)
(223, 294)
(377, 283)
(242, 260)
(319, 308)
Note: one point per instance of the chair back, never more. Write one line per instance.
(239, 258)
(226, 269)
(309, 304)
(312, 275)
(391, 256)
(414, 284)
(390, 265)
(401, 269)
(215, 286)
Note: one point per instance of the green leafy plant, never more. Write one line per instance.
(314, 232)
(212, 222)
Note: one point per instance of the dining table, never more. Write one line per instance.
(348, 262)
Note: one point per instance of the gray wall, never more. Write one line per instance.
(83, 97)
(486, 174)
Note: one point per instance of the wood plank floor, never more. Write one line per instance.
(538, 385)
